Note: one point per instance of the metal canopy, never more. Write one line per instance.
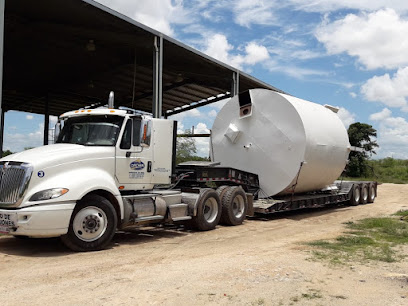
(71, 53)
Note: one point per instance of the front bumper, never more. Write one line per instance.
(42, 220)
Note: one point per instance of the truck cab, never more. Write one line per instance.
(100, 155)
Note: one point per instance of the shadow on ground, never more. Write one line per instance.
(53, 247)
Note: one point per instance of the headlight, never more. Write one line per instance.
(48, 194)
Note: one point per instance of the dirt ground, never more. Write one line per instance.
(262, 262)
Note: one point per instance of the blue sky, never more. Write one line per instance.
(347, 53)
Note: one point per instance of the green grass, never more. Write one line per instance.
(371, 239)
(402, 213)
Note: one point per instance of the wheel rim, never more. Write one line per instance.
(210, 210)
(90, 223)
(238, 206)
(357, 195)
(365, 193)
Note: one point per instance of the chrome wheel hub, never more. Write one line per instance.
(90, 223)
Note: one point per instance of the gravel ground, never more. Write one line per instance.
(262, 262)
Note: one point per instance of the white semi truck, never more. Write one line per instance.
(115, 169)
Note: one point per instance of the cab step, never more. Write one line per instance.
(181, 218)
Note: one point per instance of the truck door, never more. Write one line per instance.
(134, 155)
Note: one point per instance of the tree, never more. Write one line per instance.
(185, 148)
(364, 136)
(7, 152)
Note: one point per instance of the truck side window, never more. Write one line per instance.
(127, 136)
(136, 131)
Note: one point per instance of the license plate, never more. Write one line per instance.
(7, 221)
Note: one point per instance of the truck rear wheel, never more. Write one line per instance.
(364, 194)
(208, 211)
(221, 191)
(234, 206)
(92, 226)
(371, 193)
(355, 195)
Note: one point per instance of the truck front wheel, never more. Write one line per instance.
(92, 226)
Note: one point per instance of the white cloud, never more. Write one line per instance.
(201, 128)
(294, 71)
(157, 14)
(346, 117)
(217, 46)
(384, 114)
(353, 94)
(392, 134)
(334, 5)
(392, 91)
(29, 117)
(16, 142)
(249, 12)
(378, 39)
(191, 113)
(255, 53)
(288, 49)
(202, 143)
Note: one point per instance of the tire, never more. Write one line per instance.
(234, 206)
(364, 194)
(92, 226)
(221, 191)
(372, 194)
(355, 195)
(208, 211)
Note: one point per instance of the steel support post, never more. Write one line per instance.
(46, 120)
(235, 83)
(2, 131)
(157, 77)
(2, 5)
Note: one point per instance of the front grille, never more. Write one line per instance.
(14, 179)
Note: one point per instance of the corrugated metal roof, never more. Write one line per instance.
(48, 55)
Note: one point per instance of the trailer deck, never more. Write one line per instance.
(340, 192)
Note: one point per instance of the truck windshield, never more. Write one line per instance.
(91, 130)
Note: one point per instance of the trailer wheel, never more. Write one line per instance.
(364, 194)
(371, 193)
(355, 195)
(234, 206)
(92, 226)
(208, 211)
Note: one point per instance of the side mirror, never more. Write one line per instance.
(57, 130)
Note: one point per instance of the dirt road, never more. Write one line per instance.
(262, 262)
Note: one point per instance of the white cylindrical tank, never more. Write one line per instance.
(292, 144)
